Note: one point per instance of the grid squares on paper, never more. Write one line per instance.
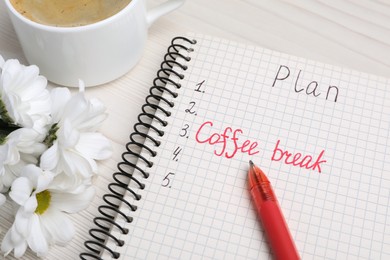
(206, 211)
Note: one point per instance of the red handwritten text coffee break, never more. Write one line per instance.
(232, 136)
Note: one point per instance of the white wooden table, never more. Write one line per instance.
(349, 33)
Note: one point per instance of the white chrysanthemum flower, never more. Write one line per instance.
(24, 99)
(41, 220)
(73, 142)
(22, 146)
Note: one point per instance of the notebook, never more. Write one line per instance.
(320, 132)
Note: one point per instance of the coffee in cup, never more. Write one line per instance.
(96, 53)
(68, 13)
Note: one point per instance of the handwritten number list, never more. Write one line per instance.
(183, 133)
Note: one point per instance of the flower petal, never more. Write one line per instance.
(24, 94)
(21, 227)
(44, 180)
(68, 136)
(57, 225)
(70, 183)
(50, 157)
(81, 86)
(65, 182)
(32, 173)
(9, 243)
(20, 249)
(21, 190)
(9, 153)
(36, 240)
(59, 97)
(94, 146)
(28, 140)
(75, 108)
(72, 203)
(74, 164)
(6, 244)
(30, 205)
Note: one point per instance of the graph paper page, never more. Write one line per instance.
(319, 132)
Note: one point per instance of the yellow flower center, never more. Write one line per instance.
(43, 199)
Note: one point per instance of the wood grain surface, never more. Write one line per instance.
(354, 34)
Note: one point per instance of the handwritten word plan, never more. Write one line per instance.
(321, 132)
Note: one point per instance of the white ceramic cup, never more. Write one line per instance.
(95, 53)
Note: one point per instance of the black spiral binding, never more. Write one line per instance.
(128, 169)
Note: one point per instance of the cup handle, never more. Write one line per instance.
(162, 9)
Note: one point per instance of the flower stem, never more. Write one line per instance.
(51, 136)
(5, 130)
(4, 113)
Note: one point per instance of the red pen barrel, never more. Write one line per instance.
(275, 227)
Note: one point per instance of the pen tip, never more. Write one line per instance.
(251, 163)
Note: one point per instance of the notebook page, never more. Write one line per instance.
(319, 132)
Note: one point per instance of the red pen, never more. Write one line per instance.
(271, 216)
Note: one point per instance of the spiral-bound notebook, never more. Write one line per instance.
(320, 132)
